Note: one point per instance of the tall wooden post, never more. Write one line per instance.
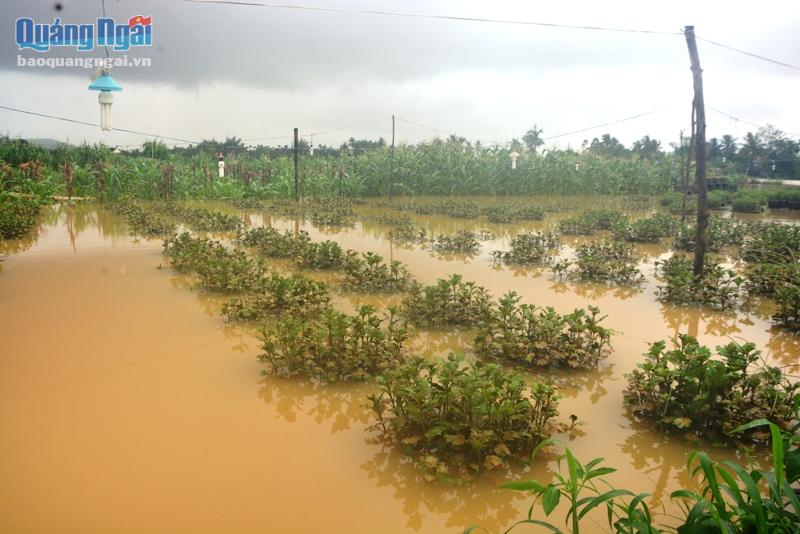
(700, 153)
(296, 172)
(391, 173)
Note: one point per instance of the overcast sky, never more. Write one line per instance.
(257, 72)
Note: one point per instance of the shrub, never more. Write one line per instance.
(718, 287)
(335, 346)
(141, 220)
(326, 255)
(275, 244)
(687, 389)
(18, 216)
(540, 337)
(532, 248)
(369, 273)
(199, 219)
(602, 261)
(462, 209)
(648, 230)
(458, 418)
(448, 302)
(772, 243)
(720, 233)
(748, 203)
(591, 221)
(296, 295)
(787, 297)
(217, 267)
(462, 241)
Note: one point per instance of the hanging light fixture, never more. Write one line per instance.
(514, 155)
(105, 84)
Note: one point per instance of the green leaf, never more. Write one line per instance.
(550, 499)
(600, 499)
(528, 485)
(544, 524)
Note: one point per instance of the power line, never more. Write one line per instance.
(737, 119)
(430, 16)
(84, 123)
(604, 124)
(746, 53)
(323, 132)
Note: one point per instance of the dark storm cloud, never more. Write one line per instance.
(279, 49)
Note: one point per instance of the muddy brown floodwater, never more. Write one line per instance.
(127, 404)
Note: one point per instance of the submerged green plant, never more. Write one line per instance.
(602, 261)
(140, 220)
(591, 221)
(217, 267)
(458, 418)
(294, 295)
(275, 244)
(18, 216)
(647, 230)
(369, 273)
(449, 302)
(334, 346)
(688, 389)
(540, 337)
(718, 287)
(462, 241)
(533, 248)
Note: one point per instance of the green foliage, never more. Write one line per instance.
(369, 273)
(647, 230)
(787, 296)
(462, 241)
(718, 287)
(141, 220)
(461, 209)
(602, 261)
(217, 267)
(334, 346)
(591, 221)
(509, 213)
(457, 418)
(583, 487)
(721, 232)
(772, 243)
(730, 498)
(539, 337)
(325, 255)
(294, 295)
(688, 389)
(199, 219)
(748, 203)
(18, 216)
(275, 244)
(449, 302)
(533, 248)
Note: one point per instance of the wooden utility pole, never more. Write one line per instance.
(296, 172)
(699, 133)
(391, 173)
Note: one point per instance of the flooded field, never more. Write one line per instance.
(128, 404)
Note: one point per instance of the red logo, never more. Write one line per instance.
(139, 19)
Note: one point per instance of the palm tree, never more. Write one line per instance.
(533, 138)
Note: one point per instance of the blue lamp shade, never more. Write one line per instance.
(105, 83)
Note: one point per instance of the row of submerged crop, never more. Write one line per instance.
(313, 340)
